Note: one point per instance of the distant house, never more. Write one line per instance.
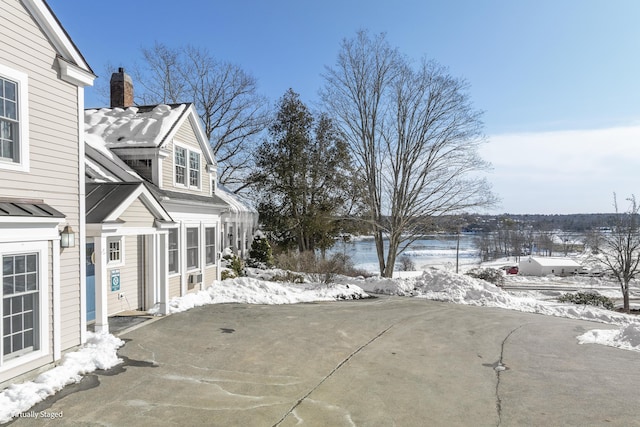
(42, 80)
(154, 210)
(543, 266)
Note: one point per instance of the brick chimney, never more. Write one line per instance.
(121, 89)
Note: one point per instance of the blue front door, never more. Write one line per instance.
(91, 283)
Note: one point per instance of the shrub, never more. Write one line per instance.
(406, 263)
(288, 277)
(588, 298)
(319, 269)
(491, 275)
(260, 252)
(234, 263)
(227, 274)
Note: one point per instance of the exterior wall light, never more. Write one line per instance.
(67, 238)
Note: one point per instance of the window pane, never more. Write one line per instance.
(7, 265)
(10, 110)
(192, 237)
(7, 285)
(7, 345)
(173, 262)
(6, 328)
(19, 283)
(173, 238)
(181, 158)
(20, 264)
(32, 262)
(16, 305)
(211, 255)
(17, 342)
(10, 90)
(16, 323)
(194, 161)
(32, 282)
(28, 303)
(28, 339)
(28, 321)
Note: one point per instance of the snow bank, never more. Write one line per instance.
(627, 337)
(98, 353)
(253, 291)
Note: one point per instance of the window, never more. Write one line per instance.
(187, 164)
(8, 120)
(210, 245)
(174, 257)
(20, 298)
(194, 169)
(14, 128)
(115, 254)
(181, 165)
(192, 248)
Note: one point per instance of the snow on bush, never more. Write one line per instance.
(98, 353)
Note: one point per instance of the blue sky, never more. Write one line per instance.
(549, 75)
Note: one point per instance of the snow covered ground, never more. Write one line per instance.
(434, 284)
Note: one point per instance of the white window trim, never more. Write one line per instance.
(189, 269)
(215, 245)
(187, 170)
(120, 262)
(22, 79)
(175, 273)
(42, 248)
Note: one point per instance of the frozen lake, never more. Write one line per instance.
(428, 251)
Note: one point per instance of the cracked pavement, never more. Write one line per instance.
(389, 361)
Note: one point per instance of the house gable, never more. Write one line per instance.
(186, 142)
(73, 67)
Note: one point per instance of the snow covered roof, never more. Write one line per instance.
(555, 262)
(102, 165)
(235, 202)
(146, 126)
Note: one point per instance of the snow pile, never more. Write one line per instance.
(441, 285)
(627, 337)
(119, 127)
(253, 291)
(98, 353)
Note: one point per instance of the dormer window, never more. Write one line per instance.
(187, 167)
(194, 169)
(181, 165)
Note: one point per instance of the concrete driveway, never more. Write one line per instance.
(380, 362)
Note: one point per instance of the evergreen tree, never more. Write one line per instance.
(301, 177)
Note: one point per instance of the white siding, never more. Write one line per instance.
(137, 215)
(53, 145)
(131, 278)
(185, 136)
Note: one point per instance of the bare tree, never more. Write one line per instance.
(414, 137)
(621, 249)
(225, 96)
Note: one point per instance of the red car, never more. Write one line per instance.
(512, 270)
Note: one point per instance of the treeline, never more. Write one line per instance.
(572, 223)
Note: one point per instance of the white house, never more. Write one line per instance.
(543, 266)
(42, 80)
(154, 210)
